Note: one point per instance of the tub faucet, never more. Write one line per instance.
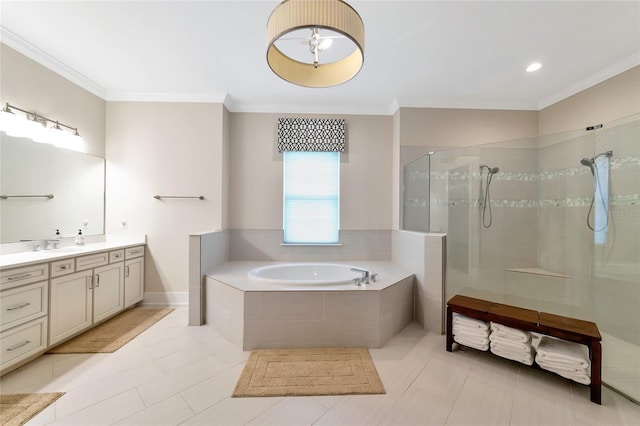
(365, 275)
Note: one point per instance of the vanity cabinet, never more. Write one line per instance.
(45, 303)
(71, 305)
(24, 306)
(133, 275)
(84, 298)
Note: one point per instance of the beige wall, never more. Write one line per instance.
(615, 98)
(32, 87)
(165, 149)
(255, 193)
(442, 127)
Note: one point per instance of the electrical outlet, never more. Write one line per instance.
(123, 224)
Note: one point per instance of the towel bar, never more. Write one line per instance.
(159, 197)
(4, 197)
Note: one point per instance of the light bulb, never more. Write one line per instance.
(535, 66)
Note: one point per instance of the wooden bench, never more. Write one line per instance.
(574, 330)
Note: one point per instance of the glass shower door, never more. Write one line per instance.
(616, 258)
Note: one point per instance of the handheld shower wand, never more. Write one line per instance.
(487, 198)
(591, 163)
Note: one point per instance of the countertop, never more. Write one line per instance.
(31, 257)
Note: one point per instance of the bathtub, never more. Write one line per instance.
(259, 305)
(306, 274)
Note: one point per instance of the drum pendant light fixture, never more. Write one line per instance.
(315, 43)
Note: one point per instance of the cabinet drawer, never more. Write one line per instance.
(23, 341)
(25, 275)
(21, 304)
(132, 252)
(91, 261)
(62, 267)
(116, 256)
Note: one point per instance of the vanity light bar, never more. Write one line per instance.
(39, 118)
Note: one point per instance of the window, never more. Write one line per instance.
(311, 197)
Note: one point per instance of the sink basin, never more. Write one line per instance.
(70, 249)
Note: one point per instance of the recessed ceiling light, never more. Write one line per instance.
(535, 66)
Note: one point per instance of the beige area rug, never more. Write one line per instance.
(17, 409)
(305, 372)
(111, 335)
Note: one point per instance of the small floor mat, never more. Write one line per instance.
(111, 335)
(18, 408)
(306, 372)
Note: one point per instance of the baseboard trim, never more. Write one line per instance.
(166, 299)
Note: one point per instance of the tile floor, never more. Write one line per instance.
(178, 375)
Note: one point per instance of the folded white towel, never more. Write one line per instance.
(563, 352)
(478, 340)
(469, 322)
(576, 377)
(510, 333)
(472, 343)
(524, 357)
(461, 329)
(556, 367)
(509, 344)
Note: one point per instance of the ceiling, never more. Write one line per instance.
(448, 54)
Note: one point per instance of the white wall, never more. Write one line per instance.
(165, 149)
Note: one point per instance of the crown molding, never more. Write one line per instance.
(22, 46)
(306, 108)
(165, 97)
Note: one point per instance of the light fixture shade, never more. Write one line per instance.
(335, 15)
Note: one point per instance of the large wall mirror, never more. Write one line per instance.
(30, 172)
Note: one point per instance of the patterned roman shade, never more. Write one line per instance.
(311, 134)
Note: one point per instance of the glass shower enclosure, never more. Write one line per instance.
(549, 223)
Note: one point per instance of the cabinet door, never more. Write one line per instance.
(108, 289)
(70, 305)
(133, 281)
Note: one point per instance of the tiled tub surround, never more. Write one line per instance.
(254, 314)
(421, 254)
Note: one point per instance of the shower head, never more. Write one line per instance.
(491, 170)
(589, 163)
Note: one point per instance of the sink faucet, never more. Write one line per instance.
(52, 244)
(36, 245)
(364, 278)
